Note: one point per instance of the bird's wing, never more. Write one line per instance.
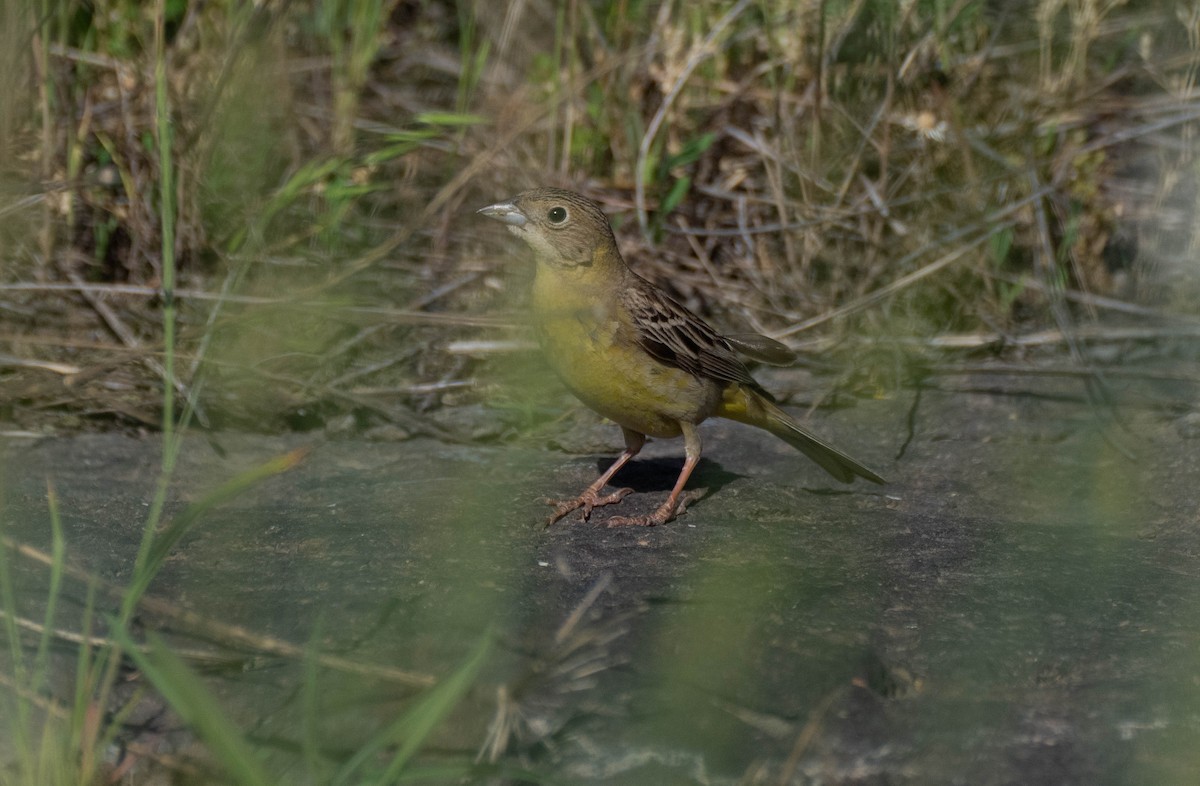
(677, 337)
(761, 348)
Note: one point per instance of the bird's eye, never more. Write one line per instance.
(557, 215)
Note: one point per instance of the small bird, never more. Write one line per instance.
(637, 357)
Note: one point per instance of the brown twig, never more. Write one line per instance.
(127, 336)
(45, 365)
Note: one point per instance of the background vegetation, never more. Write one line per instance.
(897, 181)
(266, 211)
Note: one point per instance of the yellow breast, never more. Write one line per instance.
(593, 349)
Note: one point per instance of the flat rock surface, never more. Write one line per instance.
(1020, 604)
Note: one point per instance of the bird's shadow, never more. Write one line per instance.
(660, 474)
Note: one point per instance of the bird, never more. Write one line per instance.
(638, 357)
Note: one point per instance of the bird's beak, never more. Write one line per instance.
(505, 213)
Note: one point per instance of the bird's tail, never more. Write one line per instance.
(747, 405)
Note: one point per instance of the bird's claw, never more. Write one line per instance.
(633, 521)
(585, 501)
(664, 514)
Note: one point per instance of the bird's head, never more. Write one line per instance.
(564, 229)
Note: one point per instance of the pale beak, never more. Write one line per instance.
(505, 213)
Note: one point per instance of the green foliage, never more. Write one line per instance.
(474, 52)
(999, 247)
(189, 696)
(353, 31)
(680, 183)
(408, 733)
(69, 746)
(53, 747)
(158, 545)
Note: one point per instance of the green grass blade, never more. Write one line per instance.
(19, 707)
(191, 698)
(451, 119)
(412, 728)
(182, 523)
(58, 551)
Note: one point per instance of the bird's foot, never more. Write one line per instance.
(653, 520)
(669, 511)
(585, 501)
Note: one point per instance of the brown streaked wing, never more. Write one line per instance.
(679, 338)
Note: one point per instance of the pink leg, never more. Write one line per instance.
(666, 511)
(590, 498)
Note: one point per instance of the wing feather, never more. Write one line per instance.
(677, 337)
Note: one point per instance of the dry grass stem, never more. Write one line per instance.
(224, 634)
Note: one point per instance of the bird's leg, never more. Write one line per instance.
(666, 512)
(590, 498)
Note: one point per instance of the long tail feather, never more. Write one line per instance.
(829, 458)
(748, 406)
